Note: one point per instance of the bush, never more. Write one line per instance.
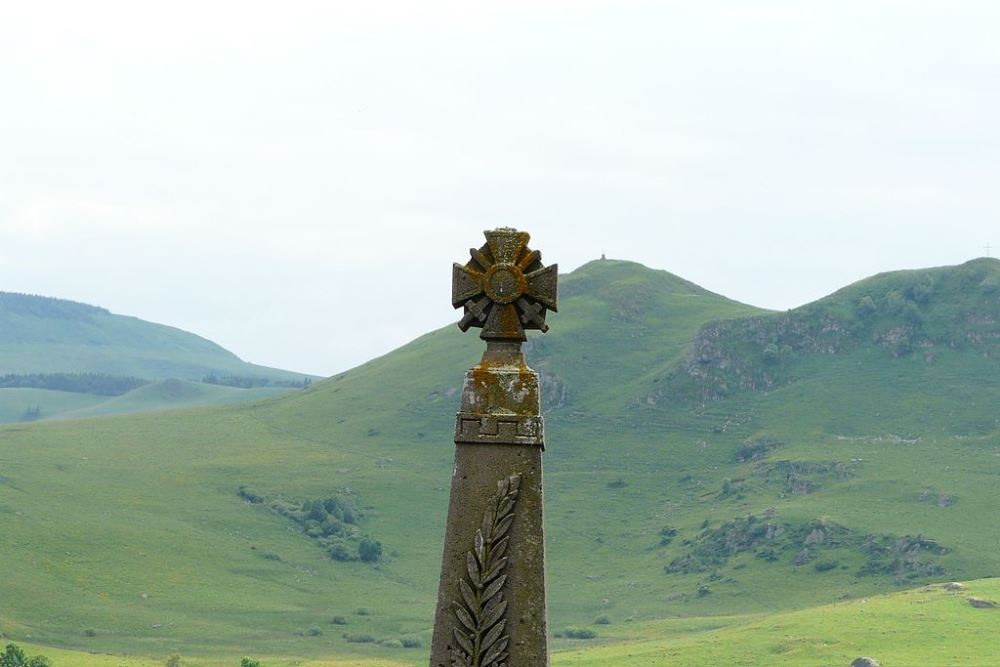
(770, 555)
(313, 632)
(247, 661)
(667, 535)
(369, 550)
(13, 656)
(173, 661)
(602, 620)
(39, 661)
(412, 642)
(825, 565)
(90, 632)
(704, 590)
(618, 484)
(392, 643)
(250, 495)
(364, 611)
(359, 638)
(579, 633)
(338, 620)
(342, 552)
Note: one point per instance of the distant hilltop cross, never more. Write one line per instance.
(987, 249)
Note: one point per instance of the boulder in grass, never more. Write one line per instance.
(954, 586)
(865, 662)
(980, 603)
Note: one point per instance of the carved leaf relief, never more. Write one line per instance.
(479, 632)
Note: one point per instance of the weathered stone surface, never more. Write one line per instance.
(491, 608)
(980, 603)
(954, 586)
(504, 289)
(866, 662)
(474, 485)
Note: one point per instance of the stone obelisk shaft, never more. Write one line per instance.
(491, 598)
(498, 438)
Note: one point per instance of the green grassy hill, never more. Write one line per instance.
(46, 335)
(41, 336)
(928, 626)
(704, 458)
(171, 394)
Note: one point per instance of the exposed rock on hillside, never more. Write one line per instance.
(902, 313)
(866, 662)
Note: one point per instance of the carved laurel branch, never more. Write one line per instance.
(481, 623)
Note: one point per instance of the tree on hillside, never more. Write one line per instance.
(13, 656)
(370, 550)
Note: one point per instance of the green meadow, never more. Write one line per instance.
(724, 485)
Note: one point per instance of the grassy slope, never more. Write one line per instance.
(928, 626)
(14, 402)
(171, 394)
(45, 335)
(162, 395)
(147, 504)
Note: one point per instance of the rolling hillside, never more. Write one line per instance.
(41, 336)
(46, 335)
(704, 458)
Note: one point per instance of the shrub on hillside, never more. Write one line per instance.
(756, 449)
(667, 535)
(579, 633)
(340, 550)
(332, 521)
(370, 550)
(250, 495)
(826, 565)
(13, 656)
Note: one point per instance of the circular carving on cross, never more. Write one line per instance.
(504, 283)
(504, 289)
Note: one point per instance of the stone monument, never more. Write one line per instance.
(491, 599)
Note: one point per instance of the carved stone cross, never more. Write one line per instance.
(491, 599)
(504, 288)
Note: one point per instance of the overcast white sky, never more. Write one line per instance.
(294, 179)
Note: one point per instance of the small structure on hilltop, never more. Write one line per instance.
(491, 599)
